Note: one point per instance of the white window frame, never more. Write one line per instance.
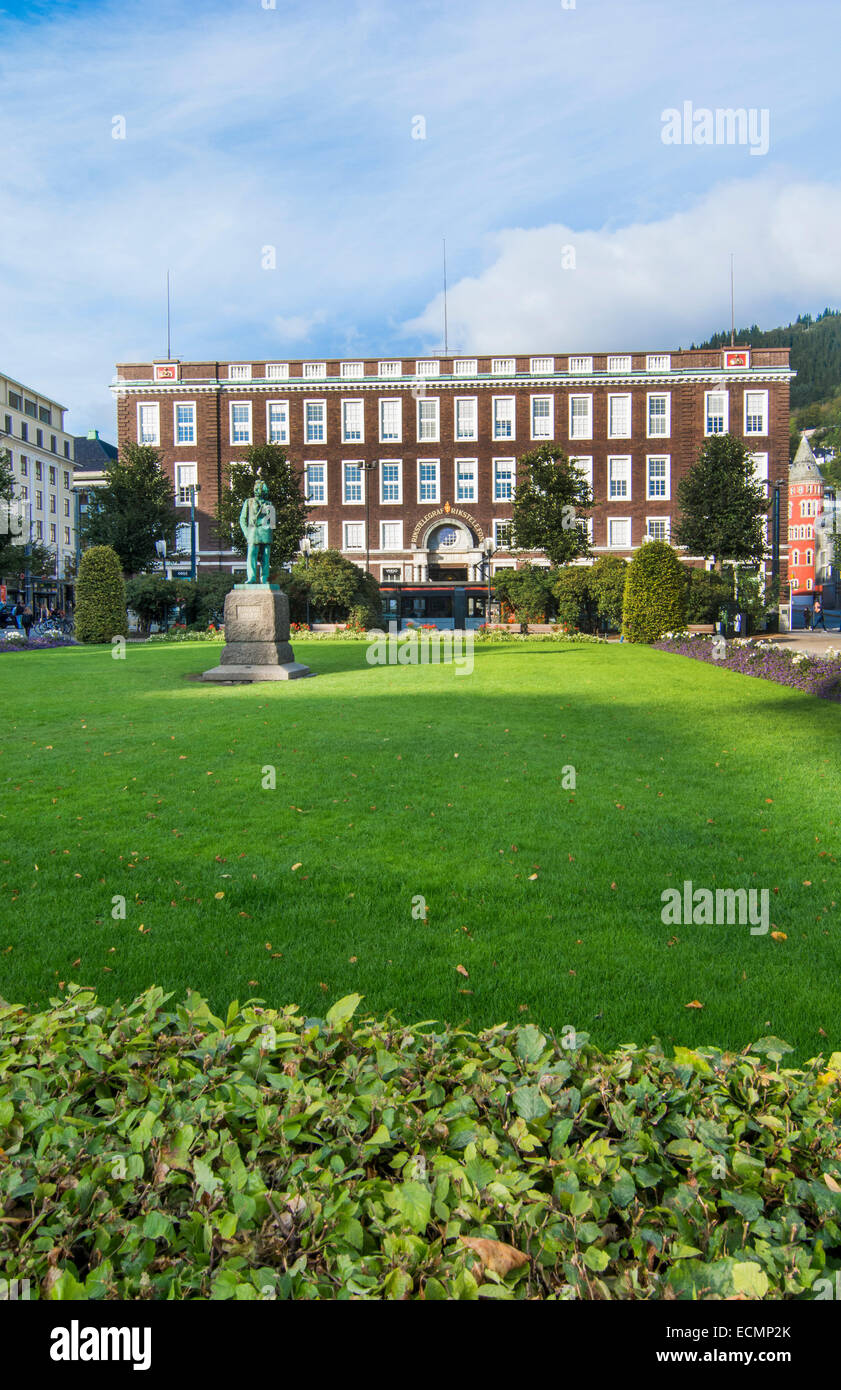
(381, 404)
(611, 520)
(459, 401)
(323, 404)
(499, 542)
(427, 366)
(277, 371)
(760, 471)
(313, 371)
(354, 549)
(399, 545)
(155, 407)
(353, 501)
(239, 371)
(619, 363)
(580, 366)
(390, 369)
(321, 527)
(717, 391)
(185, 487)
(658, 362)
(510, 467)
(434, 438)
(503, 366)
(355, 401)
(588, 433)
(585, 463)
(185, 443)
(465, 366)
(495, 401)
(241, 405)
(756, 434)
(542, 396)
(541, 366)
(437, 465)
(650, 520)
(628, 471)
(656, 396)
(456, 479)
(284, 435)
(664, 496)
(352, 369)
(315, 501)
(393, 501)
(619, 434)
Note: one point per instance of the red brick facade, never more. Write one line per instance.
(638, 455)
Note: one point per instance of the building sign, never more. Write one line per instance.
(446, 510)
(166, 371)
(736, 357)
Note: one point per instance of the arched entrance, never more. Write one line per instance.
(450, 545)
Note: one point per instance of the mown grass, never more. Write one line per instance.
(125, 778)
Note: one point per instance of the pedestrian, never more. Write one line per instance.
(817, 619)
(17, 614)
(807, 618)
(27, 620)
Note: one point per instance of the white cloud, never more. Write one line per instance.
(656, 284)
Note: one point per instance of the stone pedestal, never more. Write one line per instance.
(256, 638)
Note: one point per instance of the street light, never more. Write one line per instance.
(306, 547)
(488, 549)
(194, 488)
(369, 468)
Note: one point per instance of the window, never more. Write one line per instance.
(542, 417)
(239, 371)
(30, 408)
(390, 369)
(658, 528)
(756, 412)
(580, 365)
(24, 492)
(659, 416)
(503, 417)
(67, 448)
(619, 476)
(585, 464)
(581, 417)
(542, 366)
(318, 535)
(39, 530)
(427, 367)
(24, 430)
(809, 557)
(185, 423)
(52, 504)
(391, 421)
(66, 477)
(658, 362)
(619, 533)
(39, 501)
(24, 466)
(67, 535)
(316, 483)
(67, 506)
(52, 475)
(464, 366)
(277, 371)
(277, 422)
(241, 423)
(391, 576)
(148, 425)
(52, 533)
(391, 535)
(353, 422)
(715, 412)
(619, 364)
(53, 444)
(15, 401)
(182, 538)
(185, 481)
(760, 472)
(619, 417)
(349, 369)
(657, 475)
(466, 480)
(311, 371)
(504, 479)
(352, 483)
(503, 535)
(391, 480)
(795, 557)
(39, 438)
(503, 366)
(315, 426)
(465, 408)
(354, 535)
(429, 421)
(7, 427)
(428, 474)
(39, 469)
(45, 415)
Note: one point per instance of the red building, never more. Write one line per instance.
(805, 505)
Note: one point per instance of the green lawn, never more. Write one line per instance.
(126, 778)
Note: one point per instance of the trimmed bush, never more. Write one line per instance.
(655, 593)
(100, 596)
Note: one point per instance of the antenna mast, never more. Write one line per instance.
(732, 304)
(168, 343)
(446, 345)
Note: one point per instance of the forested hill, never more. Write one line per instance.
(815, 353)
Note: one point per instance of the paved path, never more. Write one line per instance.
(814, 642)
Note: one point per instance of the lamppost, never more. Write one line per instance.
(488, 549)
(160, 549)
(369, 467)
(194, 488)
(306, 547)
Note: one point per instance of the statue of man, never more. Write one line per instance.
(257, 521)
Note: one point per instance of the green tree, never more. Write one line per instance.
(526, 591)
(336, 587)
(151, 596)
(606, 580)
(133, 510)
(14, 539)
(203, 598)
(707, 592)
(655, 593)
(550, 501)
(100, 596)
(269, 463)
(722, 506)
(574, 599)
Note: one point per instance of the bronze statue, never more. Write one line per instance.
(257, 521)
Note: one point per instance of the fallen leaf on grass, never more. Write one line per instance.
(296, 866)
(461, 970)
(495, 1254)
(779, 936)
(693, 1004)
(218, 895)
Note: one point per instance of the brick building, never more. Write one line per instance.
(410, 465)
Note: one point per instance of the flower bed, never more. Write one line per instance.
(14, 640)
(816, 675)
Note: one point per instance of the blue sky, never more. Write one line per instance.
(249, 127)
